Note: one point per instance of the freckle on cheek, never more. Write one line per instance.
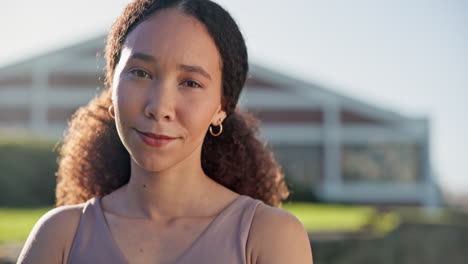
(144, 185)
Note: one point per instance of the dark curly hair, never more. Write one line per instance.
(93, 160)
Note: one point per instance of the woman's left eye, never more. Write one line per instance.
(140, 73)
(192, 84)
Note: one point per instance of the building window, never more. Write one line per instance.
(301, 164)
(397, 163)
(15, 114)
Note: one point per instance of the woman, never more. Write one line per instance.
(161, 167)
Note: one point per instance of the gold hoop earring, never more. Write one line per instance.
(111, 107)
(219, 132)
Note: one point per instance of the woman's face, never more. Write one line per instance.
(167, 83)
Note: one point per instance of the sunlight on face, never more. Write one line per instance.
(168, 83)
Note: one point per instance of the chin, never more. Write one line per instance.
(152, 163)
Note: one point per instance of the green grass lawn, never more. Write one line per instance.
(341, 218)
(16, 223)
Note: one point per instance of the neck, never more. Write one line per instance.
(181, 190)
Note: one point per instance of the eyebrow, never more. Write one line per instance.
(196, 69)
(143, 57)
(184, 67)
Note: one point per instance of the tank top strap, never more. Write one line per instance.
(246, 220)
(92, 242)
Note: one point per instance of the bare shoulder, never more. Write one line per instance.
(52, 235)
(277, 236)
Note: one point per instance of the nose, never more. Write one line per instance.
(161, 102)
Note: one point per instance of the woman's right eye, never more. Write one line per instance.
(140, 73)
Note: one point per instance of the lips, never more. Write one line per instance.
(156, 136)
(155, 140)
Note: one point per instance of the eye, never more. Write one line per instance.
(192, 84)
(140, 73)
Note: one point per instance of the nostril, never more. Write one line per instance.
(149, 114)
(168, 117)
(160, 107)
(159, 115)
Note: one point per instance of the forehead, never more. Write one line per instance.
(175, 37)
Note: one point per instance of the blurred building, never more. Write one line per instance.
(339, 147)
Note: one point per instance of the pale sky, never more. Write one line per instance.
(410, 57)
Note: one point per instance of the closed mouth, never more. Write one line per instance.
(156, 136)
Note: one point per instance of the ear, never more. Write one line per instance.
(112, 92)
(219, 116)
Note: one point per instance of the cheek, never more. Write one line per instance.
(126, 109)
(196, 116)
(127, 101)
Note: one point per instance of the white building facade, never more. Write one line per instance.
(343, 149)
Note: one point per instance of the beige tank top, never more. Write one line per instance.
(223, 241)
